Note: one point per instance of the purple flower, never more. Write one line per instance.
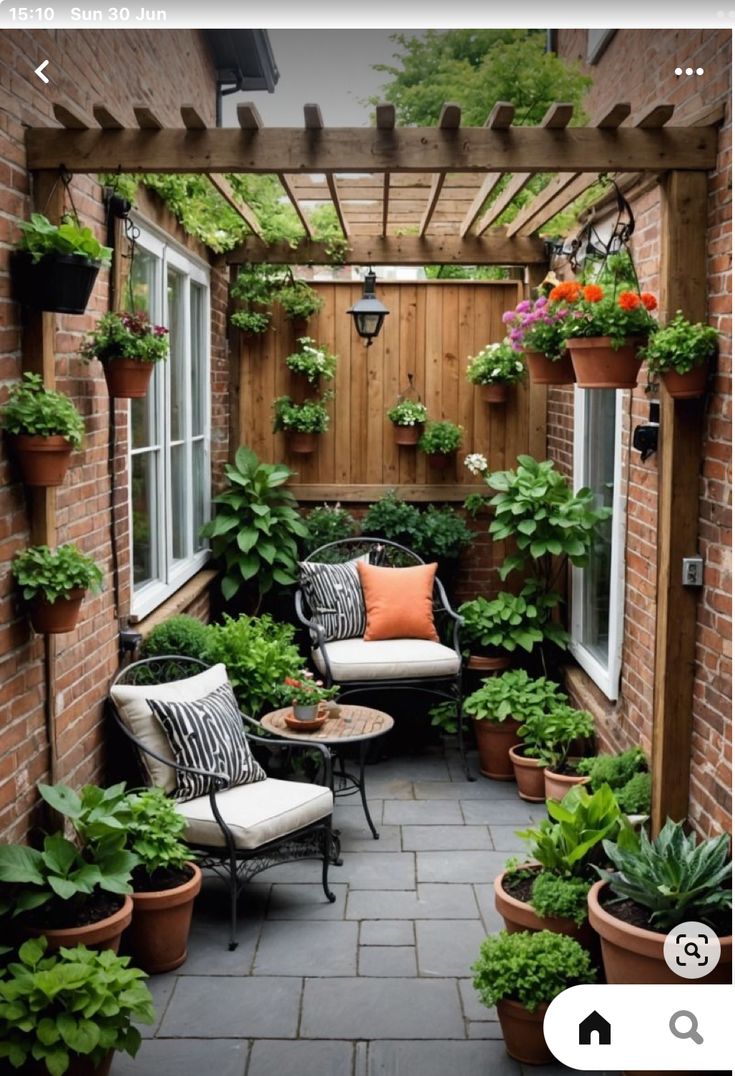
(541, 301)
(508, 316)
(524, 306)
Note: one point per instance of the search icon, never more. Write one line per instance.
(691, 1031)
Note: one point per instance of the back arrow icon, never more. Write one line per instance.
(39, 71)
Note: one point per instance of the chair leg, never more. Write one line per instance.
(233, 903)
(460, 739)
(326, 859)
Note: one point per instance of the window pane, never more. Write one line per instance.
(199, 487)
(142, 297)
(198, 359)
(177, 358)
(599, 467)
(179, 528)
(145, 520)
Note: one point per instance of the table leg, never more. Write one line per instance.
(361, 786)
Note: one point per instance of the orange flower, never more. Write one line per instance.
(649, 301)
(593, 293)
(568, 291)
(629, 301)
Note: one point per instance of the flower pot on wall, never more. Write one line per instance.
(494, 394)
(523, 1032)
(408, 435)
(128, 379)
(43, 461)
(60, 283)
(301, 444)
(557, 785)
(159, 933)
(494, 740)
(597, 365)
(441, 461)
(56, 618)
(688, 386)
(542, 371)
(529, 775)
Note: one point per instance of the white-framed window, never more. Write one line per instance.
(169, 433)
(598, 590)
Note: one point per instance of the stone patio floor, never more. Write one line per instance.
(377, 984)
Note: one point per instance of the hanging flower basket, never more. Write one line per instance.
(44, 428)
(545, 371)
(128, 379)
(59, 283)
(301, 444)
(493, 369)
(494, 394)
(128, 345)
(597, 365)
(408, 417)
(680, 354)
(688, 386)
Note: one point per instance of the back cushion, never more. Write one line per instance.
(334, 595)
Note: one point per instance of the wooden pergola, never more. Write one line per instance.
(420, 195)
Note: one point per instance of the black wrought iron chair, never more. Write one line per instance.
(237, 832)
(358, 666)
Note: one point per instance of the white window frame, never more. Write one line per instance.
(607, 677)
(173, 573)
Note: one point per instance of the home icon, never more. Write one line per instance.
(594, 1024)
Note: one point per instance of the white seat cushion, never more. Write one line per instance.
(256, 813)
(387, 659)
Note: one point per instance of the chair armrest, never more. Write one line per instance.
(457, 620)
(315, 628)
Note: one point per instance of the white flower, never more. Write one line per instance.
(476, 463)
(495, 372)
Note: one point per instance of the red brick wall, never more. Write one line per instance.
(117, 68)
(638, 66)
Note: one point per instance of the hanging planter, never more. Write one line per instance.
(543, 370)
(56, 265)
(495, 368)
(408, 435)
(127, 379)
(300, 443)
(53, 582)
(441, 461)
(535, 328)
(408, 417)
(440, 442)
(598, 365)
(44, 427)
(680, 354)
(128, 346)
(301, 422)
(312, 361)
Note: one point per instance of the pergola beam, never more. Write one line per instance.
(493, 249)
(224, 187)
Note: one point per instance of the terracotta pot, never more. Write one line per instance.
(529, 775)
(687, 386)
(78, 1066)
(128, 379)
(523, 1032)
(494, 739)
(43, 461)
(558, 784)
(58, 617)
(480, 663)
(598, 366)
(494, 394)
(518, 915)
(634, 955)
(159, 933)
(104, 934)
(543, 371)
(441, 461)
(301, 444)
(408, 435)
(299, 326)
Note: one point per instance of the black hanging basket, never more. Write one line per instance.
(61, 283)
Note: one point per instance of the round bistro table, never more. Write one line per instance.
(355, 724)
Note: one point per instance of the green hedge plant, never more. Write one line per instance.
(181, 634)
(443, 534)
(395, 520)
(529, 967)
(33, 409)
(54, 573)
(327, 523)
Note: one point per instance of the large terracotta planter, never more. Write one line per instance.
(529, 775)
(556, 785)
(494, 394)
(687, 386)
(58, 617)
(128, 379)
(43, 461)
(104, 934)
(78, 1066)
(633, 955)
(489, 665)
(518, 915)
(301, 444)
(543, 371)
(159, 933)
(408, 435)
(441, 461)
(598, 366)
(494, 739)
(523, 1032)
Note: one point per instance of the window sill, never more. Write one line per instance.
(586, 695)
(177, 603)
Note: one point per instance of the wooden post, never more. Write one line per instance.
(683, 287)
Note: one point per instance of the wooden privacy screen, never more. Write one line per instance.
(432, 329)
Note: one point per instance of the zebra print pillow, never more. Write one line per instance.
(334, 594)
(208, 735)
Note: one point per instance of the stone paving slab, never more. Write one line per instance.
(428, 902)
(448, 946)
(464, 866)
(306, 900)
(370, 1008)
(389, 840)
(511, 812)
(301, 1058)
(423, 768)
(386, 932)
(288, 948)
(439, 838)
(386, 870)
(161, 987)
(190, 1057)
(486, 903)
(472, 1007)
(461, 789)
(209, 943)
(423, 813)
(505, 839)
(220, 1007)
(387, 960)
(437, 1058)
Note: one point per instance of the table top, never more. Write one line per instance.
(354, 723)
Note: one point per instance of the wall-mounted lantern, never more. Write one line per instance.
(369, 313)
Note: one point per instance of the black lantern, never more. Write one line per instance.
(368, 312)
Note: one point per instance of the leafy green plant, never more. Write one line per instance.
(74, 1003)
(495, 364)
(395, 520)
(327, 523)
(635, 795)
(681, 346)
(179, 634)
(674, 877)
(258, 653)
(251, 321)
(444, 716)
(33, 409)
(154, 830)
(257, 524)
(529, 967)
(509, 621)
(298, 299)
(126, 336)
(512, 694)
(256, 285)
(440, 438)
(312, 360)
(444, 534)
(553, 895)
(568, 841)
(408, 413)
(54, 573)
(311, 416)
(563, 726)
(613, 770)
(41, 238)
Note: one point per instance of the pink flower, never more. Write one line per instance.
(524, 306)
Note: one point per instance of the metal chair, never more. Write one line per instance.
(218, 847)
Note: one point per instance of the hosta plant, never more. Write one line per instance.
(408, 413)
(569, 840)
(512, 694)
(529, 967)
(440, 438)
(681, 346)
(155, 829)
(54, 573)
(312, 360)
(496, 364)
(510, 621)
(33, 409)
(563, 726)
(311, 416)
(40, 237)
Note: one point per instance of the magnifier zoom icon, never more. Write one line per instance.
(690, 1032)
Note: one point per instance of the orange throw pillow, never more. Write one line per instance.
(398, 602)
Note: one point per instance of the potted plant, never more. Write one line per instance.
(440, 442)
(527, 757)
(128, 346)
(55, 265)
(408, 418)
(301, 422)
(257, 286)
(653, 886)
(312, 361)
(395, 520)
(494, 368)
(53, 582)
(497, 708)
(607, 333)
(305, 694)
(680, 353)
(299, 301)
(564, 728)
(44, 427)
(69, 1011)
(76, 891)
(507, 622)
(258, 653)
(628, 777)
(521, 974)
(535, 328)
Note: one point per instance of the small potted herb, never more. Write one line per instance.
(44, 427)
(312, 361)
(681, 353)
(494, 368)
(521, 974)
(564, 728)
(301, 422)
(128, 346)
(408, 418)
(440, 442)
(55, 265)
(535, 328)
(53, 582)
(306, 695)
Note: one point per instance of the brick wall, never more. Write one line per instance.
(117, 68)
(638, 66)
